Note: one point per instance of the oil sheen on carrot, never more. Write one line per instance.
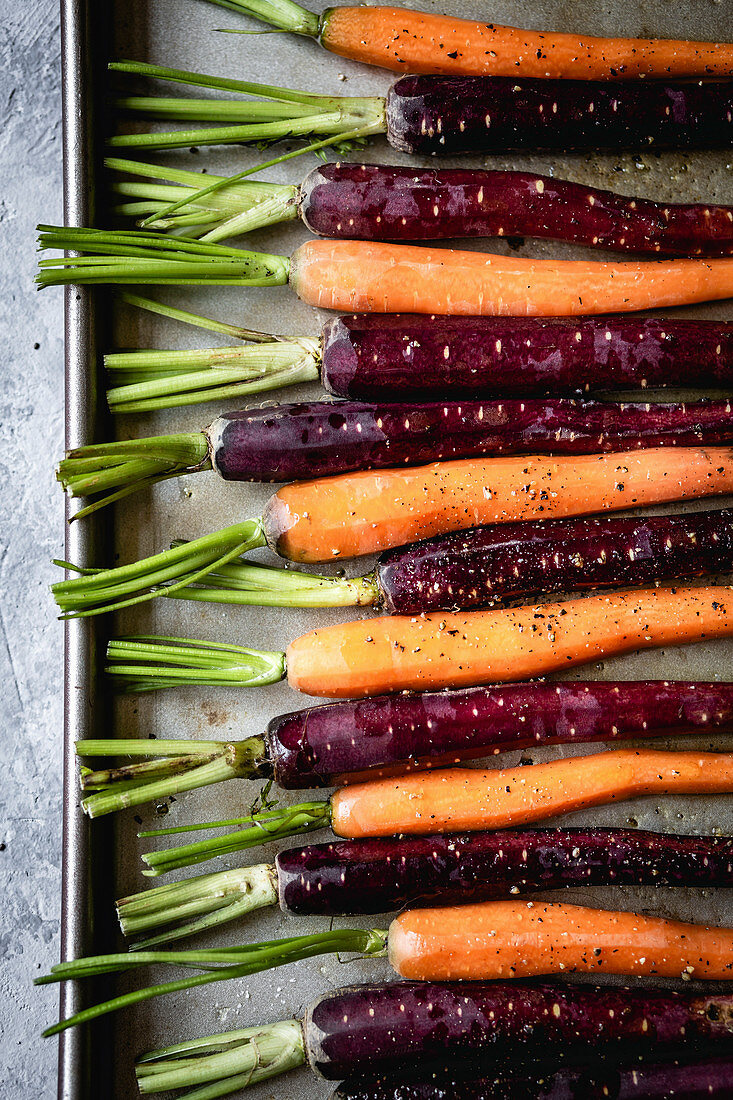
(418, 42)
(470, 799)
(374, 277)
(512, 939)
(369, 511)
(458, 649)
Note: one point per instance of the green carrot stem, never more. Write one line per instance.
(184, 767)
(102, 469)
(196, 904)
(280, 113)
(219, 964)
(133, 256)
(262, 827)
(231, 207)
(283, 14)
(102, 590)
(231, 1061)
(153, 380)
(149, 662)
(196, 320)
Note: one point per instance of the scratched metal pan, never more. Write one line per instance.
(102, 861)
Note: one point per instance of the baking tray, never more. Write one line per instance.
(102, 860)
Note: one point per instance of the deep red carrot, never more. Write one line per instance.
(382, 203)
(382, 357)
(382, 875)
(392, 1027)
(446, 115)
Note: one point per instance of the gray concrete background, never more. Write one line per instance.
(31, 533)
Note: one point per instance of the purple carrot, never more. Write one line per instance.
(369, 738)
(697, 1079)
(381, 875)
(289, 442)
(388, 1028)
(292, 442)
(431, 116)
(365, 356)
(368, 355)
(377, 202)
(498, 562)
(318, 746)
(421, 1020)
(443, 115)
(408, 357)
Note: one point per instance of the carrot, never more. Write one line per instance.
(375, 277)
(367, 657)
(467, 799)
(419, 42)
(512, 939)
(362, 513)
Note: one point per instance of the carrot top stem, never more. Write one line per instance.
(260, 828)
(147, 663)
(283, 14)
(150, 380)
(218, 964)
(342, 121)
(238, 1058)
(197, 320)
(207, 206)
(110, 471)
(176, 766)
(101, 590)
(196, 904)
(133, 256)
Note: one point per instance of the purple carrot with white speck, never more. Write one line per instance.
(384, 203)
(381, 875)
(444, 116)
(323, 745)
(683, 1079)
(409, 357)
(373, 1029)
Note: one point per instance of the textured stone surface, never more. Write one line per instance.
(31, 533)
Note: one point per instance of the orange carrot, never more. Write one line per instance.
(373, 277)
(367, 657)
(458, 649)
(362, 513)
(469, 800)
(513, 939)
(418, 42)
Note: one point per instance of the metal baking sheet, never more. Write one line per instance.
(101, 860)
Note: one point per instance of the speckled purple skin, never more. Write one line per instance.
(374, 1029)
(318, 746)
(698, 1080)
(435, 115)
(476, 567)
(375, 202)
(402, 355)
(382, 875)
(288, 442)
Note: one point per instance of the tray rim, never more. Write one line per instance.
(82, 1051)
